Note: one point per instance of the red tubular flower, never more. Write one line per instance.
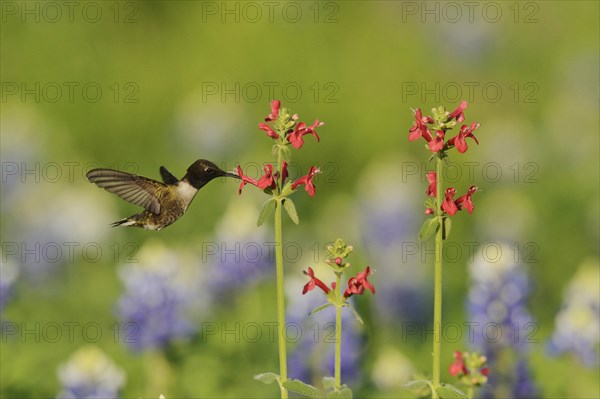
(275, 104)
(284, 172)
(459, 141)
(458, 113)
(245, 179)
(270, 132)
(357, 284)
(449, 206)
(267, 180)
(314, 282)
(429, 211)
(431, 189)
(307, 180)
(437, 143)
(296, 137)
(458, 368)
(419, 128)
(466, 201)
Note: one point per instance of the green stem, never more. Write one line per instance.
(470, 393)
(280, 294)
(437, 298)
(338, 336)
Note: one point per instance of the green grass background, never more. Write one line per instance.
(362, 56)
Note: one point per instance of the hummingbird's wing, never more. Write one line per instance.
(167, 176)
(135, 189)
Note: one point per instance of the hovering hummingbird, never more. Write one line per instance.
(165, 202)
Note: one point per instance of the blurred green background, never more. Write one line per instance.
(136, 85)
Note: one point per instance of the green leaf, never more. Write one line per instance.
(266, 211)
(418, 385)
(429, 227)
(343, 393)
(446, 227)
(319, 308)
(358, 318)
(267, 378)
(290, 208)
(328, 383)
(447, 391)
(302, 388)
(287, 189)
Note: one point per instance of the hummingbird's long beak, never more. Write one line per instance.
(232, 173)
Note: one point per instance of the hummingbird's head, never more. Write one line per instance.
(203, 171)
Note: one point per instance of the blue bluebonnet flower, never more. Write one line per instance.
(164, 294)
(577, 326)
(43, 232)
(388, 233)
(9, 272)
(312, 357)
(502, 324)
(240, 254)
(90, 374)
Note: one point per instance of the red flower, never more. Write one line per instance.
(357, 285)
(466, 201)
(296, 137)
(307, 180)
(245, 179)
(429, 211)
(431, 189)
(284, 172)
(449, 206)
(270, 132)
(419, 128)
(458, 368)
(267, 180)
(314, 282)
(458, 113)
(437, 143)
(459, 141)
(275, 104)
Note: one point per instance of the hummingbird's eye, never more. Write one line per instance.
(208, 170)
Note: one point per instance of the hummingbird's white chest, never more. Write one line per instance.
(186, 193)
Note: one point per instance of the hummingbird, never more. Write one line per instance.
(164, 202)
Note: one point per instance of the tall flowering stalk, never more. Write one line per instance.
(285, 130)
(337, 298)
(440, 202)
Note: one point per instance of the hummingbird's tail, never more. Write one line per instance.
(126, 222)
(141, 220)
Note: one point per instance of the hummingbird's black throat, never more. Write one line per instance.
(203, 171)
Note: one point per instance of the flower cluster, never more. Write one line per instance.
(498, 295)
(450, 205)
(284, 129)
(440, 123)
(270, 181)
(577, 325)
(161, 298)
(356, 285)
(440, 202)
(470, 368)
(90, 373)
